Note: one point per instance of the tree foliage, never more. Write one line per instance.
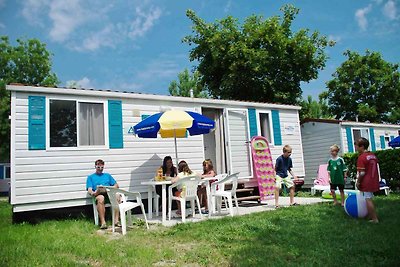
(365, 87)
(260, 60)
(28, 63)
(314, 109)
(185, 83)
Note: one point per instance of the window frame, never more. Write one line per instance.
(77, 101)
(271, 130)
(359, 128)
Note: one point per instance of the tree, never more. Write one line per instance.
(261, 60)
(365, 88)
(185, 83)
(28, 63)
(314, 109)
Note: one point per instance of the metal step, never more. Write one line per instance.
(241, 190)
(248, 198)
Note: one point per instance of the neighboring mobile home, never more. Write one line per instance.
(319, 134)
(4, 177)
(58, 133)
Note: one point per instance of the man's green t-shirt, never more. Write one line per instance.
(336, 168)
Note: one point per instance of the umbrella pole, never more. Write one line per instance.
(176, 149)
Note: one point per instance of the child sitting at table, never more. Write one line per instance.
(184, 171)
(208, 171)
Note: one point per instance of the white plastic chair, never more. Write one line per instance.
(124, 206)
(189, 193)
(217, 177)
(385, 188)
(96, 212)
(218, 192)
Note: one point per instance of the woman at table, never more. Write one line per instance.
(208, 171)
(169, 170)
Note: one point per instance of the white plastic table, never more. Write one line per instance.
(163, 184)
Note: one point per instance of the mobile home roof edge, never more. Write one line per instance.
(125, 94)
(351, 123)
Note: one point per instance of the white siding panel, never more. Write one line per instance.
(60, 175)
(294, 140)
(317, 139)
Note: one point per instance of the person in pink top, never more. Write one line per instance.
(367, 176)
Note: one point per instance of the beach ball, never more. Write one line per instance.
(356, 206)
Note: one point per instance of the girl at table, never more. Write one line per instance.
(184, 171)
(168, 170)
(208, 171)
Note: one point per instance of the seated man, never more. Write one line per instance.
(93, 181)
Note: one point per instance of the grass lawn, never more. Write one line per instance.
(316, 235)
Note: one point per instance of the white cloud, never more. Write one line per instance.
(106, 37)
(390, 10)
(33, 11)
(228, 6)
(361, 18)
(143, 22)
(65, 18)
(90, 25)
(162, 67)
(85, 82)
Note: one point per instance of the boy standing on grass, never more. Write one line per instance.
(367, 176)
(337, 173)
(282, 167)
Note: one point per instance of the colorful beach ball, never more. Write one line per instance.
(356, 206)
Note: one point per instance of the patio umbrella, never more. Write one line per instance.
(395, 142)
(174, 123)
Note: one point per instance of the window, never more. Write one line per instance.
(68, 131)
(62, 123)
(358, 133)
(91, 124)
(387, 140)
(265, 126)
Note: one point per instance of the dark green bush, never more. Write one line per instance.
(389, 164)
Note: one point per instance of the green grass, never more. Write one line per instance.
(317, 235)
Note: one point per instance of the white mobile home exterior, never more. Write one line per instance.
(319, 134)
(49, 163)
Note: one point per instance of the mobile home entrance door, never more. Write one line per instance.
(237, 142)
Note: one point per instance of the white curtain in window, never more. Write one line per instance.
(91, 124)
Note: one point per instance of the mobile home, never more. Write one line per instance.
(319, 134)
(58, 133)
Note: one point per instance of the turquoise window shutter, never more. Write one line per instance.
(145, 116)
(391, 137)
(37, 123)
(382, 142)
(349, 139)
(252, 122)
(115, 124)
(276, 125)
(372, 139)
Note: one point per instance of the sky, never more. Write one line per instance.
(136, 45)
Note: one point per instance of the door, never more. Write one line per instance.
(214, 142)
(237, 142)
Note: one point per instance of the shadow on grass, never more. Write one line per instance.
(321, 235)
